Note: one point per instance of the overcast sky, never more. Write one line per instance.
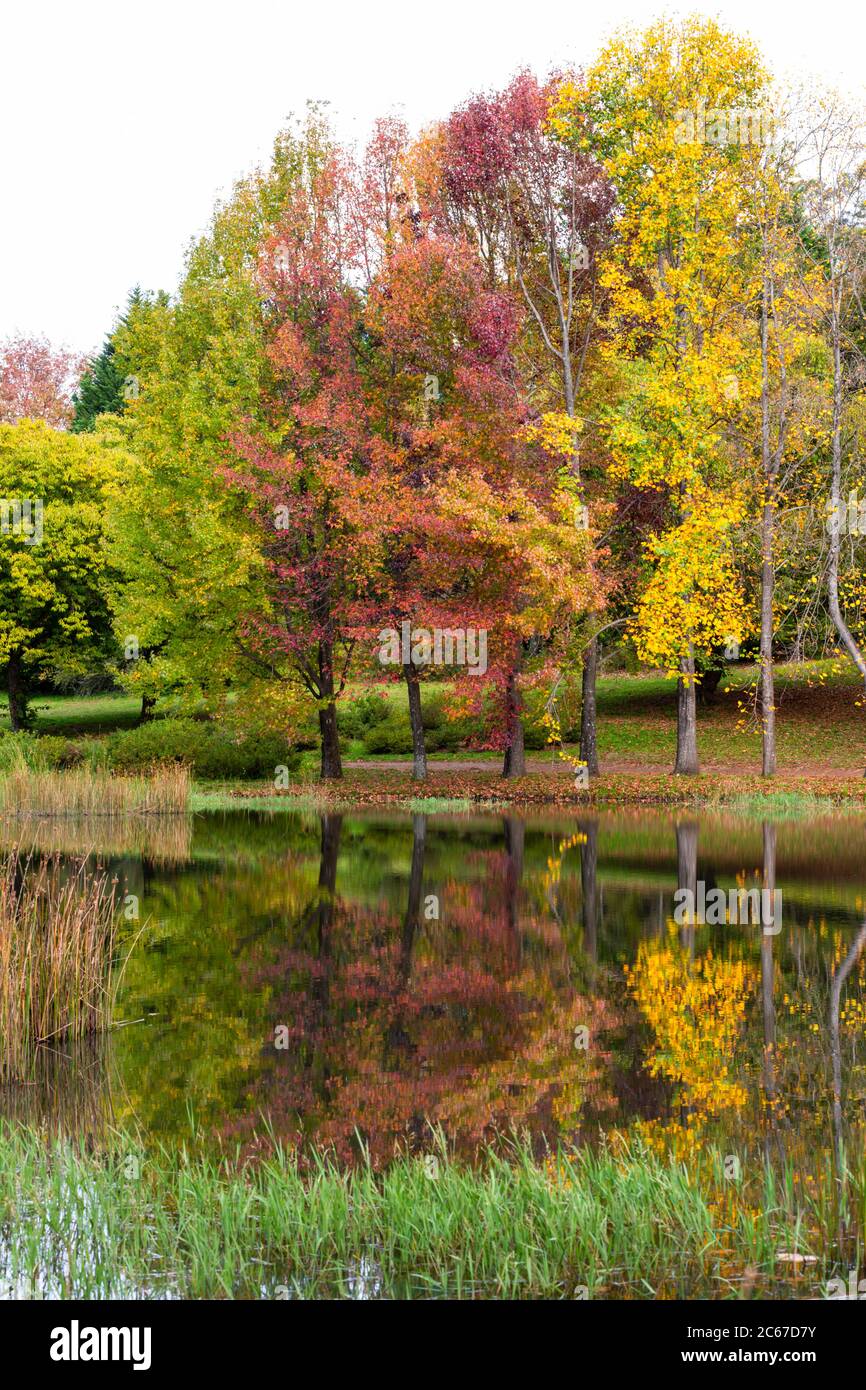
(123, 122)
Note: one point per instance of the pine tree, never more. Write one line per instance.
(100, 390)
(103, 382)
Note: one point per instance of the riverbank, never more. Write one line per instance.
(473, 789)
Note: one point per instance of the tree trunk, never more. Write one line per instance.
(147, 704)
(839, 622)
(515, 753)
(17, 690)
(768, 694)
(687, 876)
(588, 744)
(768, 691)
(687, 720)
(332, 766)
(419, 752)
(588, 873)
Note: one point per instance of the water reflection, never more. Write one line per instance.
(355, 980)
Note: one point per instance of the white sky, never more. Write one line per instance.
(122, 122)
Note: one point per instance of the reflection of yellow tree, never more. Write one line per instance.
(696, 1010)
(554, 862)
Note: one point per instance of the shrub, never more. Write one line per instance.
(391, 735)
(54, 751)
(208, 750)
(390, 731)
(357, 716)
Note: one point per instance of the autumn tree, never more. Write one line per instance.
(36, 381)
(674, 284)
(835, 194)
(787, 298)
(538, 208)
(54, 565)
(313, 479)
(437, 325)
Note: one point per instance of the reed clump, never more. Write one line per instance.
(94, 792)
(57, 943)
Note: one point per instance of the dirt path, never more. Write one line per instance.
(610, 767)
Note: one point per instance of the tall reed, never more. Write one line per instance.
(94, 792)
(57, 937)
(586, 1224)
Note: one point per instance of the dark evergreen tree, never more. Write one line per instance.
(101, 389)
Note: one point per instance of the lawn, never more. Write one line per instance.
(821, 723)
(80, 714)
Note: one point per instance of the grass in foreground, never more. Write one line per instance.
(113, 1224)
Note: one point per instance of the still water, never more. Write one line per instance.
(354, 980)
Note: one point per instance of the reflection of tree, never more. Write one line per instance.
(468, 1022)
(696, 1008)
(767, 963)
(515, 832)
(398, 1036)
(687, 875)
(196, 1028)
(837, 984)
(588, 873)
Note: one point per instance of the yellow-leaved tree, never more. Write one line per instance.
(675, 112)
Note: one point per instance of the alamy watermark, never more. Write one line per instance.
(22, 516)
(724, 125)
(850, 518)
(739, 906)
(421, 646)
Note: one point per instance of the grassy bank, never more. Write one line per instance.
(477, 790)
(820, 716)
(821, 749)
(81, 1225)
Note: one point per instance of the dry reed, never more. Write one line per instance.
(94, 792)
(57, 939)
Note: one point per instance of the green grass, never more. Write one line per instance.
(819, 718)
(788, 805)
(69, 715)
(223, 798)
(111, 1223)
(821, 721)
(430, 805)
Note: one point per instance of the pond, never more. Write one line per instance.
(360, 981)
